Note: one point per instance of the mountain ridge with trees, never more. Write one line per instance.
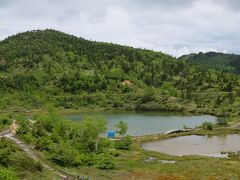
(215, 60)
(48, 66)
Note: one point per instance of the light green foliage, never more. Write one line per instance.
(104, 161)
(63, 154)
(65, 143)
(91, 130)
(8, 174)
(83, 159)
(169, 89)
(124, 143)
(123, 127)
(25, 125)
(149, 95)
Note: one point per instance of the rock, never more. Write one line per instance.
(167, 161)
(150, 159)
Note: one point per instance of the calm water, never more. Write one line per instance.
(142, 123)
(196, 145)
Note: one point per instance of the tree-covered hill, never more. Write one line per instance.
(39, 57)
(215, 60)
(38, 67)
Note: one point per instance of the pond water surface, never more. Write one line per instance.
(142, 123)
(196, 145)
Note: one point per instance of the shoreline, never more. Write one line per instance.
(196, 131)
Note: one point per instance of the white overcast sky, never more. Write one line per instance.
(175, 27)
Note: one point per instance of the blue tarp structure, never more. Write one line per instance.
(111, 134)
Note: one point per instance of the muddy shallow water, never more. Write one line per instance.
(196, 145)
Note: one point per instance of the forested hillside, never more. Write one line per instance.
(38, 67)
(214, 60)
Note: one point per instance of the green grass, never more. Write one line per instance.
(132, 165)
(5, 121)
(15, 164)
(3, 127)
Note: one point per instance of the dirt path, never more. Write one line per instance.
(9, 134)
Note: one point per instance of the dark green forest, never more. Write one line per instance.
(38, 67)
(214, 60)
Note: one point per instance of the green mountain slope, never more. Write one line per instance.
(62, 56)
(38, 67)
(214, 60)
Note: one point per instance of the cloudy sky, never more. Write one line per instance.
(172, 26)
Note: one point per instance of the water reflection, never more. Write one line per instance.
(142, 123)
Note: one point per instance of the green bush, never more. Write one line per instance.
(104, 144)
(222, 121)
(123, 127)
(207, 126)
(11, 157)
(39, 166)
(104, 161)
(114, 153)
(124, 143)
(43, 143)
(63, 154)
(5, 121)
(28, 137)
(84, 160)
(8, 174)
(234, 155)
(24, 125)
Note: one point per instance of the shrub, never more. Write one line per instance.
(104, 161)
(38, 166)
(123, 127)
(149, 95)
(7, 174)
(114, 153)
(63, 154)
(222, 121)
(4, 121)
(24, 126)
(43, 143)
(12, 156)
(118, 104)
(124, 143)
(84, 160)
(104, 144)
(207, 126)
(28, 137)
(234, 155)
